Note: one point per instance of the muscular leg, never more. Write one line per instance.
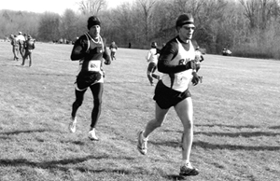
(184, 109)
(78, 102)
(97, 92)
(155, 123)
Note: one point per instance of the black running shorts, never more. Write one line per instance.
(166, 97)
(86, 79)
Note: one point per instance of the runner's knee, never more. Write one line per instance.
(187, 125)
(78, 102)
(97, 102)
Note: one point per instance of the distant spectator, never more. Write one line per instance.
(29, 46)
(15, 45)
(198, 58)
(152, 59)
(113, 48)
(20, 38)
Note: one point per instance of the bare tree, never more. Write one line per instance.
(250, 11)
(146, 9)
(260, 13)
(68, 25)
(92, 7)
(49, 27)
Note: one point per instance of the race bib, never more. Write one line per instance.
(94, 65)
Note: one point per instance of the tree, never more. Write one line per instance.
(122, 27)
(49, 27)
(14, 21)
(92, 7)
(146, 12)
(69, 26)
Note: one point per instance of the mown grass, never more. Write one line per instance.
(237, 129)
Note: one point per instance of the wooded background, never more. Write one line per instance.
(249, 28)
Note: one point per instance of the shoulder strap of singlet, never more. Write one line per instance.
(82, 60)
(88, 41)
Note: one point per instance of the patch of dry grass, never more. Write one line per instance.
(237, 129)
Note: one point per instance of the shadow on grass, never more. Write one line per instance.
(206, 145)
(239, 134)
(219, 125)
(177, 177)
(173, 144)
(25, 131)
(274, 127)
(227, 126)
(67, 164)
(124, 82)
(47, 164)
(52, 74)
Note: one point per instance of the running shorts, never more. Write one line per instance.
(86, 79)
(166, 97)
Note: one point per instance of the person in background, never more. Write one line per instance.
(178, 67)
(198, 59)
(91, 49)
(29, 46)
(152, 59)
(21, 39)
(15, 45)
(113, 48)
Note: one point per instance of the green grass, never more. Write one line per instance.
(237, 128)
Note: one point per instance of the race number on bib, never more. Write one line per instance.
(94, 65)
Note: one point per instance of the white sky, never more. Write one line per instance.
(56, 6)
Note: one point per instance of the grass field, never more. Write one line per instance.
(237, 126)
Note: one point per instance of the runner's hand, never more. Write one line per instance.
(195, 79)
(191, 65)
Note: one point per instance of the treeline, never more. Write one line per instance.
(247, 27)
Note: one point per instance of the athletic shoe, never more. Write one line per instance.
(92, 136)
(142, 143)
(188, 171)
(72, 125)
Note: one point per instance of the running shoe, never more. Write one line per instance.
(188, 171)
(72, 125)
(142, 143)
(92, 136)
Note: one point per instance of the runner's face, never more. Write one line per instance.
(94, 31)
(186, 31)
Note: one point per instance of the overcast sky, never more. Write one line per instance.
(56, 6)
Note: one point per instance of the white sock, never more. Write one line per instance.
(186, 163)
(145, 138)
